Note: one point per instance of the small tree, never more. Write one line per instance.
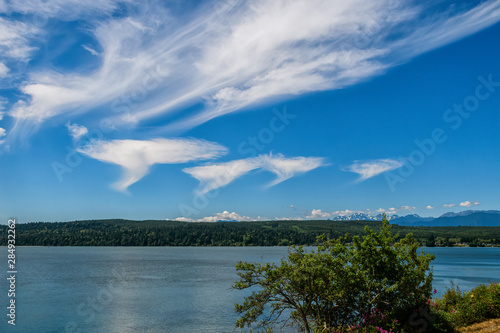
(342, 286)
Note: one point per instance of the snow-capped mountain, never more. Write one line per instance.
(361, 217)
(465, 218)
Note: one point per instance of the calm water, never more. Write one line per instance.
(168, 289)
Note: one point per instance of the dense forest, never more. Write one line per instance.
(270, 233)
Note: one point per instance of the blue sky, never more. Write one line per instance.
(248, 110)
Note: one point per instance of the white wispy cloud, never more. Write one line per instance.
(224, 216)
(407, 208)
(76, 131)
(449, 27)
(389, 211)
(227, 216)
(217, 175)
(91, 50)
(285, 168)
(3, 102)
(62, 9)
(429, 207)
(136, 157)
(319, 214)
(462, 204)
(2, 130)
(16, 39)
(289, 218)
(469, 204)
(2, 134)
(368, 169)
(229, 57)
(3, 70)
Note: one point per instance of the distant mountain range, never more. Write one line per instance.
(358, 217)
(466, 218)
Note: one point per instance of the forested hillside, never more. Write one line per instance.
(270, 233)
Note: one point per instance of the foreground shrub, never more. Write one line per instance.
(373, 284)
(469, 307)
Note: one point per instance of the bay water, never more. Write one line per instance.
(165, 289)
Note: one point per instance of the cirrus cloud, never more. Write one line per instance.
(225, 58)
(76, 131)
(372, 168)
(217, 175)
(136, 156)
(3, 70)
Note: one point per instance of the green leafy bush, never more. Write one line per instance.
(370, 284)
(465, 308)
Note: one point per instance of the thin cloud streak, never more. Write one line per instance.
(214, 176)
(372, 168)
(136, 157)
(15, 40)
(76, 131)
(260, 52)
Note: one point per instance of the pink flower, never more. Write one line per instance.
(435, 291)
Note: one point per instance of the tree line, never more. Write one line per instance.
(268, 233)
